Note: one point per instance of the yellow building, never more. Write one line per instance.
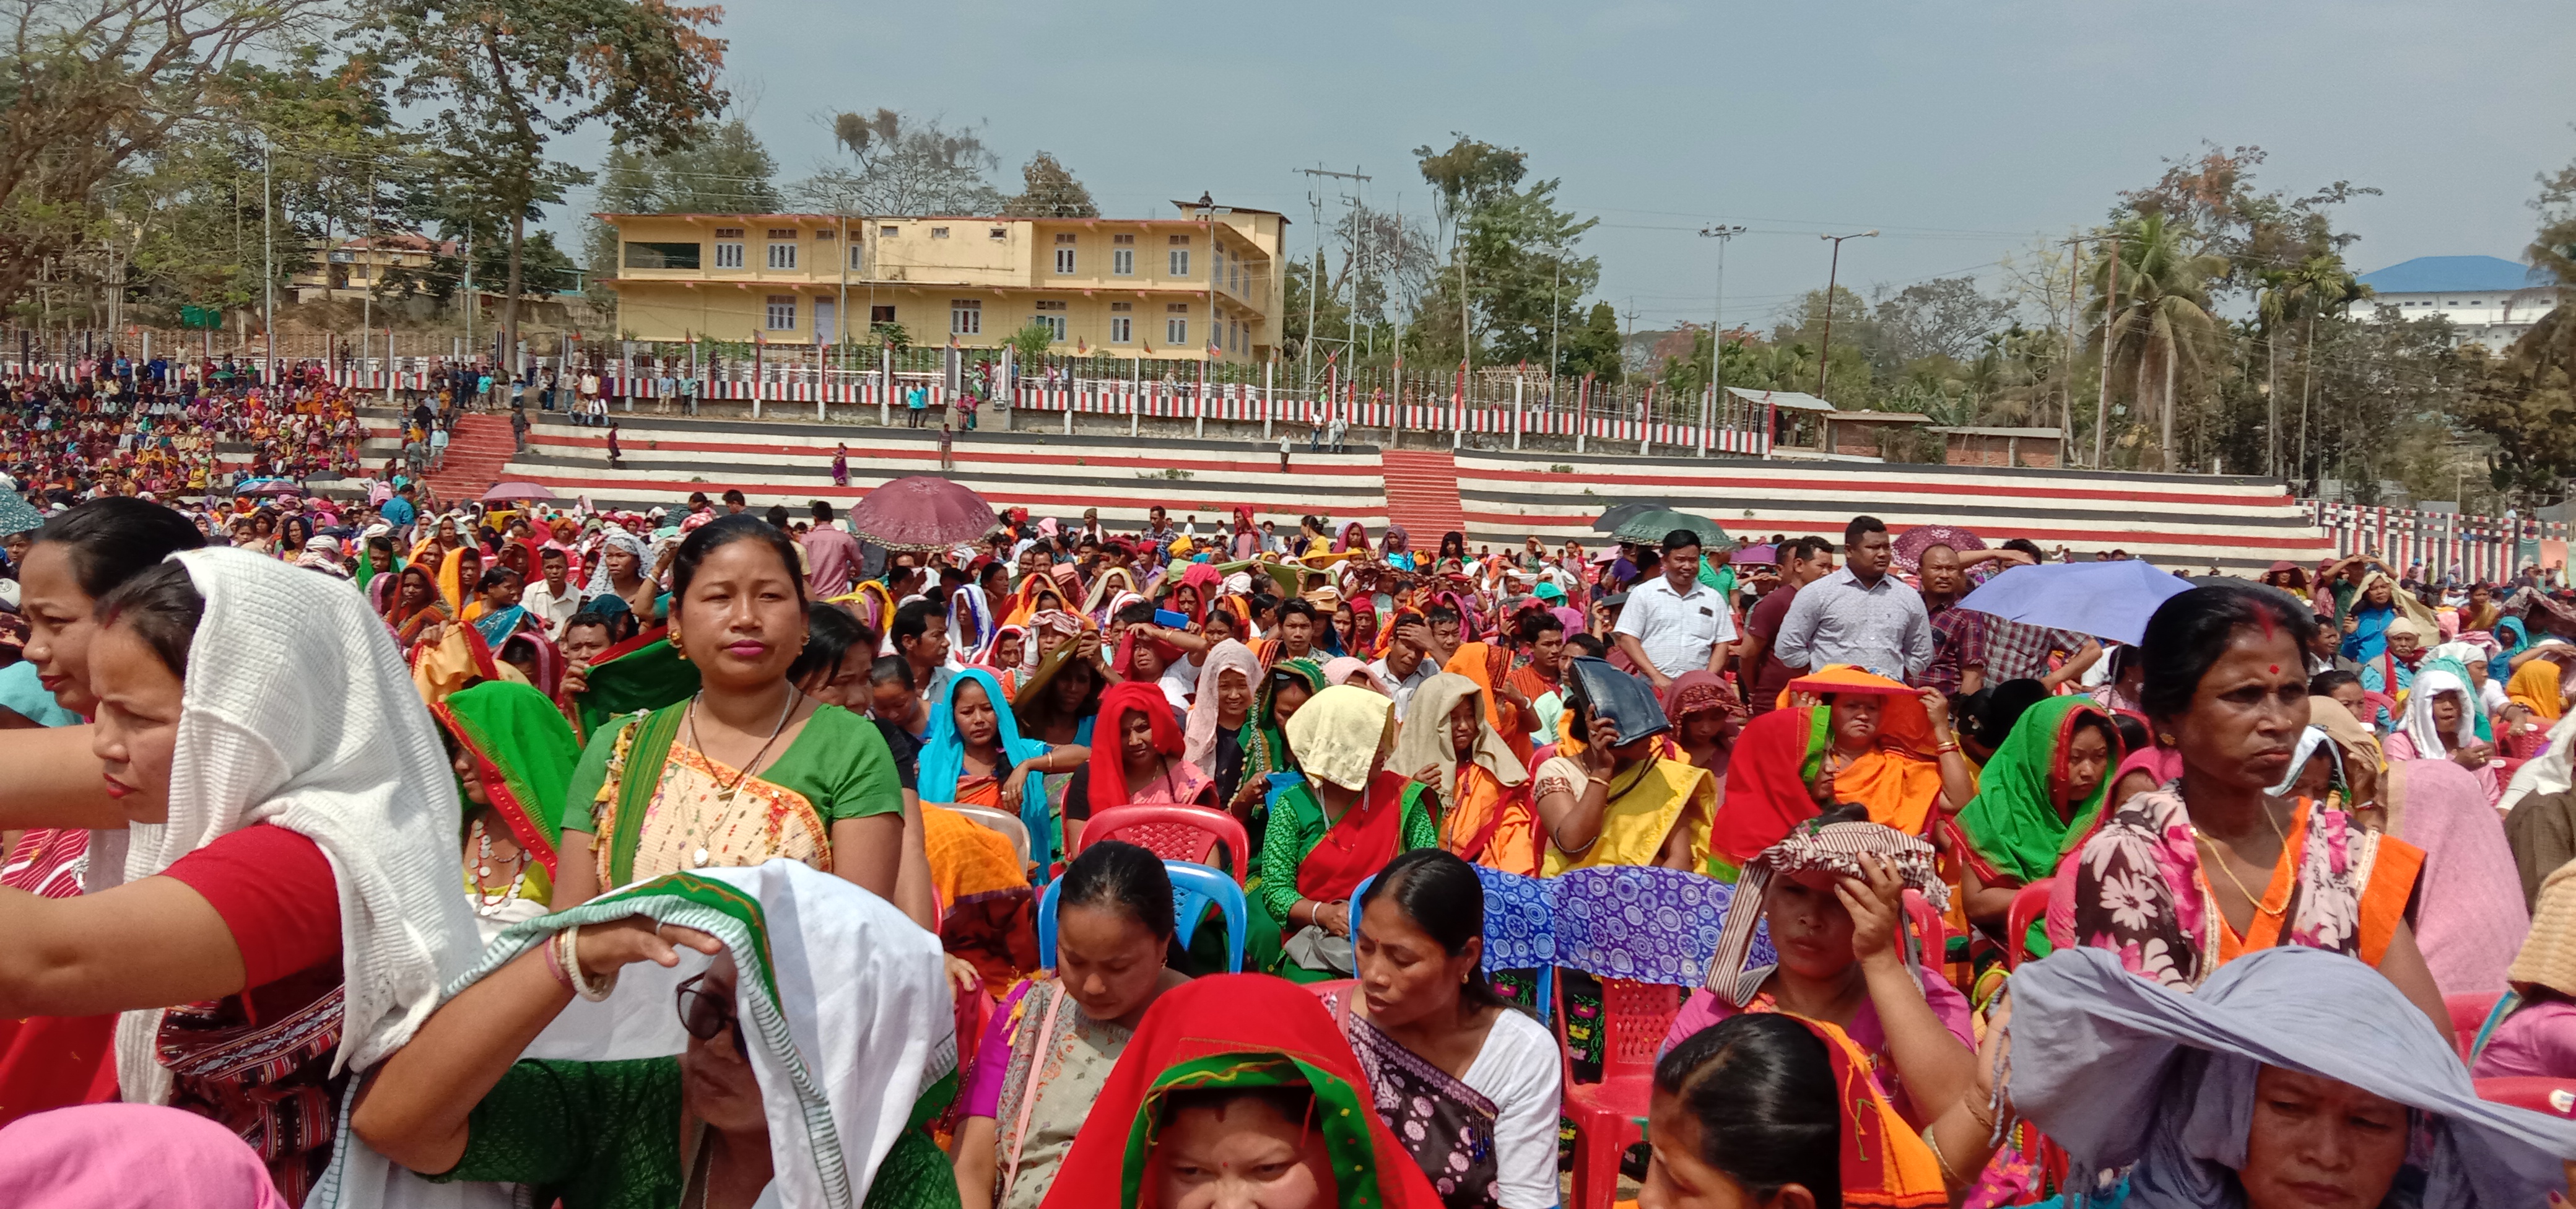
(1167, 288)
(348, 268)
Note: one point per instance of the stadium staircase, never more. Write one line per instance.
(1422, 494)
(477, 449)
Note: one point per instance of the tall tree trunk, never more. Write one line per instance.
(510, 304)
(2168, 408)
(2272, 405)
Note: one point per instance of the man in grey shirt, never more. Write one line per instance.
(1859, 615)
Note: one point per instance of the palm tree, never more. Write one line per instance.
(2161, 318)
(2319, 284)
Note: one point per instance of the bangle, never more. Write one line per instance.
(581, 986)
(1947, 748)
(1949, 1178)
(554, 962)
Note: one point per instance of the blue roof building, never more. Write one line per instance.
(2493, 301)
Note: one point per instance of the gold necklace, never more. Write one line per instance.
(695, 840)
(2260, 907)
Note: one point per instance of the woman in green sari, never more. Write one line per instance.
(747, 768)
(1333, 829)
(1279, 694)
(2039, 799)
(514, 755)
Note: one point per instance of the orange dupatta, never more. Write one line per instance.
(1900, 780)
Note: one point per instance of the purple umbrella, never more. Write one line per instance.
(507, 493)
(1767, 554)
(2110, 601)
(922, 512)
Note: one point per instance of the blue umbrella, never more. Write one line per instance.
(2108, 600)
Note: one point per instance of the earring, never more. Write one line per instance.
(683, 655)
(2166, 739)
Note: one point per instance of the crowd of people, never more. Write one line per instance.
(363, 849)
(115, 425)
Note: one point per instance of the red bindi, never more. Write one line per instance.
(2276, 669)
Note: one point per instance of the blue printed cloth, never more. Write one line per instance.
(1640, 923)
(1520, 921)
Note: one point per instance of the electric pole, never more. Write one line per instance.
(1722, 233)
(1824, 354)
(2110, 309)
(1314, 286)
(268, 257)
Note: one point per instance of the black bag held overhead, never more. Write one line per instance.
(1624, 699)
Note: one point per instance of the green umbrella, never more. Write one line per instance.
(1288, 578)
(1652, 526)
(1618, 514)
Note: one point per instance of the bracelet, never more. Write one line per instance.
(1947, 748)
(581, 986)
(1949, 1178)
(554, 962)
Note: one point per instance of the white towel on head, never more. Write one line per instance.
(298, 712)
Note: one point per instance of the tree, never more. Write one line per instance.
(1593, 348)
(1030, 344)
(507, 76)
(2159, 321)
(727, 172)
(1051, 192)
(1946, 317)
(1511, 258)
(86, 89)
(906, 167)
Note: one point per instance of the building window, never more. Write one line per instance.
(1064, 262)
(858, 256)
(1176, 331)
(1124, 241)
(880, 314)
(782, 233)
(782, 313)
(728, 232)
(1180, 262)
(888, 231)
(728, 253)
(1063, 239)
(1122, 323)
(1052, 314)
(782, 255)
(826, 234)
(939, 232)
(654, 256)
(965, 315)
(1122, 262)
(1001, 232)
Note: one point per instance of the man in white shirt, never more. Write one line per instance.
(1674, 623)
(554, 599)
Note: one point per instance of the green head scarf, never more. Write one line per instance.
(2013, 822)
(1265, 744)
(524, 752)
(634, 677)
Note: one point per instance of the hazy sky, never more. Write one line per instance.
(1961, 130)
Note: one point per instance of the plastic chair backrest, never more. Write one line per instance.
(998, 820)
(1174, 833)
(2469, 1017)
(2028, 904)
(1194, 886)
(1929, 939)
(1634, 1018)
(2557, 1097)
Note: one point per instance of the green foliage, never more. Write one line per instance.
(891, 335)
(1030, 344)
(1511, 255)
(501, 79)
(1593, 348)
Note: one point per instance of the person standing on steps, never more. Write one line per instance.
(519, 429)
(1283, 455)
(616, 455)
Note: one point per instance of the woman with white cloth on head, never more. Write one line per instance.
(2293, 1077)
(283, 904)
(2441, 724)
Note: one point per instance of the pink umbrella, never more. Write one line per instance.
(506, 493)
(1911, 544)
(922, 512)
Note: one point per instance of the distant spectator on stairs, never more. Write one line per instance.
(616, 456)
(519, 429)
(438, 446)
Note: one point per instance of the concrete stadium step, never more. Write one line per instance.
(1422, 493)
(478, 447)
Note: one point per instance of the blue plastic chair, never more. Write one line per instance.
(1194, 886)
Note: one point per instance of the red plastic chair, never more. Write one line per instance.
(1610, 1116)
(2557, 1097)
(1174, 833)
(2469, 1014)
(1931, 935)
(2028, 904)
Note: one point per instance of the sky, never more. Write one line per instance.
(1960, 131)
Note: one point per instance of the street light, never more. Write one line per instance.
(1723, 234)
(1824, 354)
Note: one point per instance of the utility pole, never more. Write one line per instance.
(1555, 312)
(1824, 354)
(2102, 401)
(1723, 234)
(268, 277)
(1315, 285)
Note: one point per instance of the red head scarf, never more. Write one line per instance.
(1237, 1030)
(1766, 785)
(1108, 737)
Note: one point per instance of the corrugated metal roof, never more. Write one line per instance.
(1781, 398)
(1879, 417)
(2049, 433)
(2443, 274)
